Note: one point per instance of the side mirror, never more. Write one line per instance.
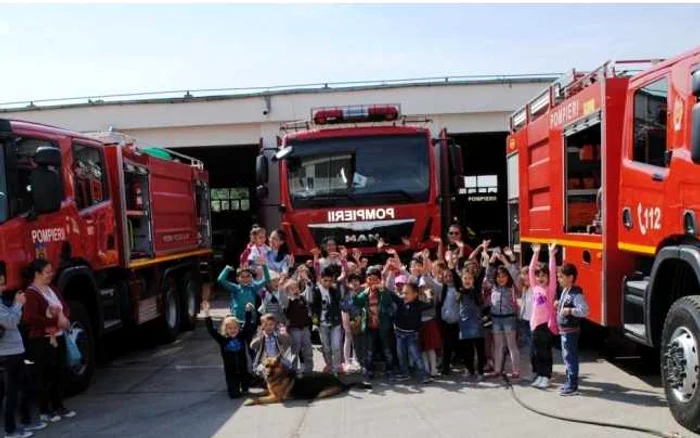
(696, 83)
(695, 133)
(284, 153)
(261, 169)
(262, 191)
(46, 190)
(47, 156)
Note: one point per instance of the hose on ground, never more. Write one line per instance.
(509, 386)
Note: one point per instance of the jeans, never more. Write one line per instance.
(359, 343)
(378, 342)
(541, 351)
(49, 362)
(331, 345)
(569, 353)
(301, 348)
(408, 351)
(12, 387)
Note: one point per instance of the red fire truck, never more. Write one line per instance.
(125, 229)
(361, 174)
(603, 164)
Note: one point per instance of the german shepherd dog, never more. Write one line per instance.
(283, 384)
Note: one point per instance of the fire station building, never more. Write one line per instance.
(226, 129)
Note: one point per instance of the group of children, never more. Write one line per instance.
(418, 316)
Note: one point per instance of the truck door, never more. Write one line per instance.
(644, 166)
(92, 201)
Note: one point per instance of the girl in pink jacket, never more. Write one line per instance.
(543, 281)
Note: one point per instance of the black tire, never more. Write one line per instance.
(190, 297)
(679, 342)
(169, 321)
(78, 378)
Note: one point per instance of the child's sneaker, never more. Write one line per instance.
(544, 383)
(567, 391)
(19, 433)
(536, 383)
(49, 418)
(65, 413)
(427, 379)
(33, 427)
(402, 377)
(492, 375)
(514, 376)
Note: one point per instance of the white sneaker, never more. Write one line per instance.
(544, 383)
(49, 418)
(536, 382)
(20, 434)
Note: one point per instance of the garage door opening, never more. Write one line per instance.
(484, 198)
(233, 204)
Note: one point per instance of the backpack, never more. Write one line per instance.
(450, 308)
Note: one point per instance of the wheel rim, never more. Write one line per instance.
(171, 310)
(681, 364)
(191, 300)
(79, 336)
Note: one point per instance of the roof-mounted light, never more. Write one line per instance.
(355, 114)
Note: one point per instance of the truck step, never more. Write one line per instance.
(636, 330)
(637, 287)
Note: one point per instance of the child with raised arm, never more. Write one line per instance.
(232, 341)
(245, 291)
(542, 323)
(471, 330)
(298, 316)
(407, 322)
(571, 308)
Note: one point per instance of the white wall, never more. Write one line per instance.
(461, 108)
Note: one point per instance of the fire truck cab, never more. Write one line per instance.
(359, 175)
(607, 164)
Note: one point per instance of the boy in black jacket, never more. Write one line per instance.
(407, 321)
(234, 349)
(571, 308)
(325, 308)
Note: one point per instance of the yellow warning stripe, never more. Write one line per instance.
(565, 242)
(140, 263)
(642, 249)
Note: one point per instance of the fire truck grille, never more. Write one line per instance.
(363, 234)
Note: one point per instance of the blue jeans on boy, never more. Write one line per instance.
(408, 352)
(569, 353)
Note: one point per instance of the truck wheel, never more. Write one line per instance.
(680, 361)
(169, 321)
(78, 378)
(191, 292)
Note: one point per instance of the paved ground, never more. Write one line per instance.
(179, 391)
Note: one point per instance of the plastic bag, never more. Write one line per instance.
(74, 357)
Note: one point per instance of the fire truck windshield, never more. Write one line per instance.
(364, 170)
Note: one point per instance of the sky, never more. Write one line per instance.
(57, 51)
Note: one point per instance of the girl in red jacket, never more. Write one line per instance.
(46, 318)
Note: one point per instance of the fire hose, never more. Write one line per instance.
(509, 386)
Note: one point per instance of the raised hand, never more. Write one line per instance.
(356, 254)
(364, 262)
(552, 249)
(436, 239)
(249, 307)
(316, 252)
(536, 247)
(381, 244)
(406, 241)
(486, 243)
(206, 307)
(20, 299)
